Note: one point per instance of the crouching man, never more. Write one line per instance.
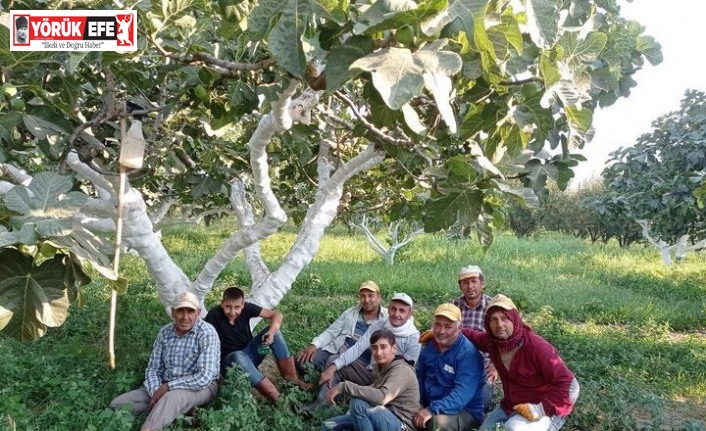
(182, 370)
(240, 347)
(389, 403)
(539, 389)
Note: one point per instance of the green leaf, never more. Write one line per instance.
(34, 298)
(650, 49)
(522, 195)
(285, 44)
(543, 19)
(262, 17)
(397, 72)
(341, 57)
(396, 76)
(465, 12)
(75, 59)
(577, 51)
(444, 211)
(43, 122)
(393, 14)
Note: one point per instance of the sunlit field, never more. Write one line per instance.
(633, 331)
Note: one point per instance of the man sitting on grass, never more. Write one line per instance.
(451, 377)
(389, 402)
(238, 346)
(349, 367)
(346, 330)
(182, 370)
(539, 389)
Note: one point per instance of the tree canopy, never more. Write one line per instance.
(452, 108)
(657, 181)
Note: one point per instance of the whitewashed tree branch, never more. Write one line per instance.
(284, 112)
(14, 174)
(319, 216)
(244, 212)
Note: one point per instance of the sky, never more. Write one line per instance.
(680, 27)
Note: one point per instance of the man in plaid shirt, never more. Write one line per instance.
(473, 304)
(182, 370)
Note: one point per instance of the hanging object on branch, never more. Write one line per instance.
(132, 148)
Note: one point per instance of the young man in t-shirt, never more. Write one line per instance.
(238, 345)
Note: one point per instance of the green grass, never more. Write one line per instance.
(631, 330)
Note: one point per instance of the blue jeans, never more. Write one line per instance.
(249, 358)
(516, 422)
(363, 417)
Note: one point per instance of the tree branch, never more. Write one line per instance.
(368, 125)
(521, 81)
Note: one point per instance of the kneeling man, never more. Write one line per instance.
(389, 402)
(539, 390)
(451, 377)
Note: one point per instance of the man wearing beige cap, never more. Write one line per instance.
(451, 377)
(346, 330)
(182, 370)
(539, 390)
(473, 303)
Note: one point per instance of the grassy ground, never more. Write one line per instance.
(631, 330)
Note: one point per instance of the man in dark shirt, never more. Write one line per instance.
(238, 345)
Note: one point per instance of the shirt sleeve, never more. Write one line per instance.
(556, 372)
(469, 371)
(155, 366)
(354, 352)
(422, 376)
(390, 390)
(332, 332)
(252, 310)
(413, 348)
(206, 365)
(479, 339)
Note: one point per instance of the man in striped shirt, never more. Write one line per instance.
(473, 304)
(182, 370)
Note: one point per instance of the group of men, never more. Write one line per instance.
(394, 378)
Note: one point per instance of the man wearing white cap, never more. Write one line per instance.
(473, 303)
(182, 370)
(346, 330)
(400, 322)
(451, 377)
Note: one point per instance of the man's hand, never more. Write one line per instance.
(421, 418)
(531, 412)
(491, 373)
(327, 375)
(426, 336)
(268, 339)
(307, 355)
(331, 395)
(158, 394)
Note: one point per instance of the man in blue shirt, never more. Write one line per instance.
(182, 370)
(451, 377)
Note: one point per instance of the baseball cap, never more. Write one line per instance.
(469, 271)
(402, 297)
(369, 285)
(186, 300)
(502, 301)
(450, 311)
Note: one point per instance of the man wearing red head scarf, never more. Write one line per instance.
(539, 389)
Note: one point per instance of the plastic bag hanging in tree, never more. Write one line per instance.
(132, 149)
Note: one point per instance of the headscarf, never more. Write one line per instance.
(518, 333)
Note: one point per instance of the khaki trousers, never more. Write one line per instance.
(170, 406)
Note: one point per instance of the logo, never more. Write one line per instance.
(73, 30)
